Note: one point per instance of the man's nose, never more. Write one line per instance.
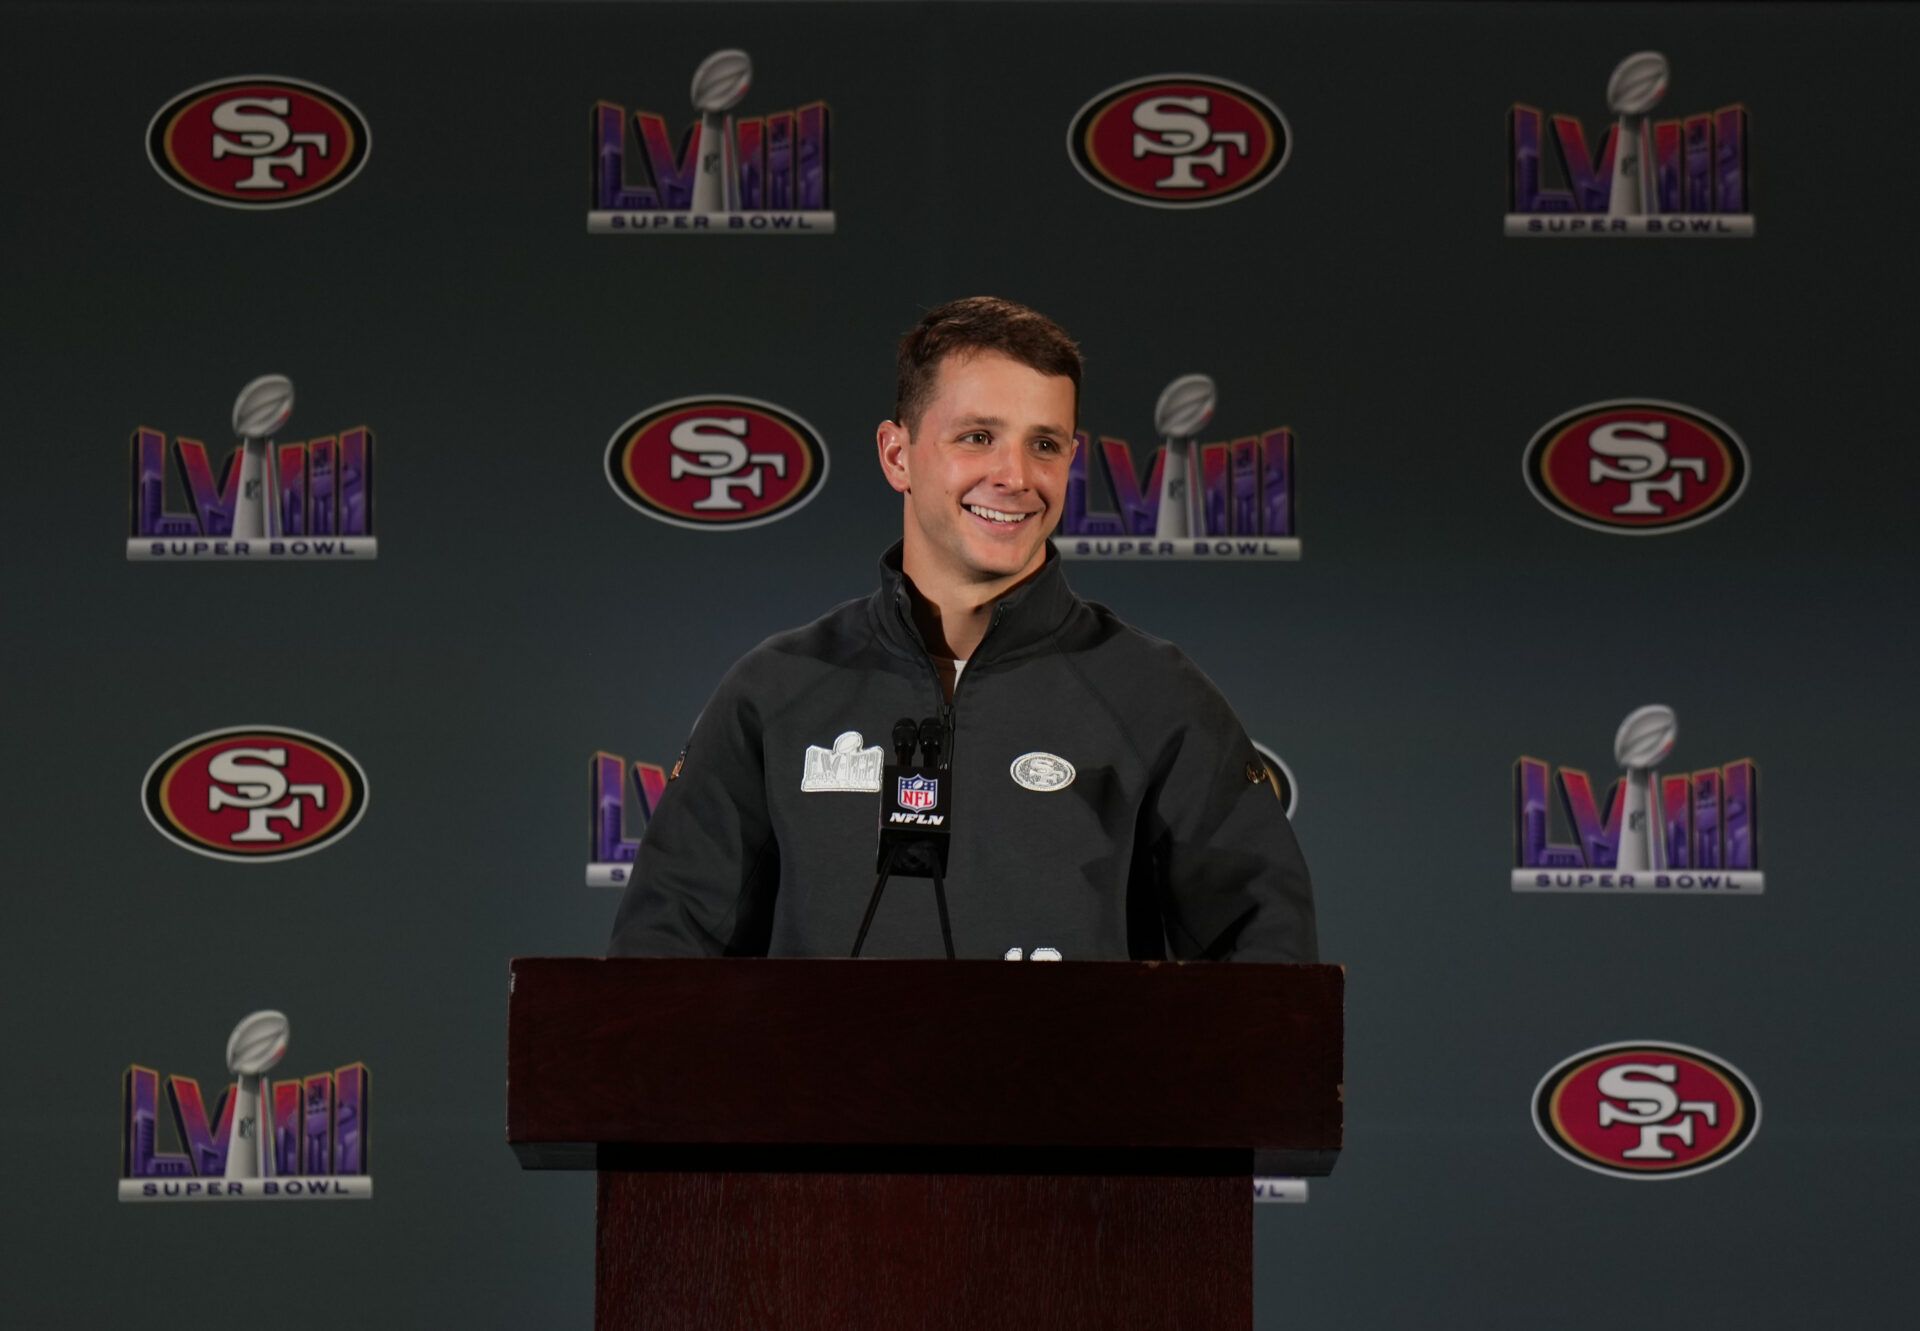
(1010, 465)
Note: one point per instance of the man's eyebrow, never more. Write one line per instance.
(999, 423)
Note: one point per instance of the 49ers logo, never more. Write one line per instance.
(1646, 1110)
(255, 793)
(716, 462)
(258, 142)
(1179, 141)
(1636, 467)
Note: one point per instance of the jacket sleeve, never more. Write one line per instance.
(1232, 882)
(708, 867)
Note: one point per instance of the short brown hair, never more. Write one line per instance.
(974, 324)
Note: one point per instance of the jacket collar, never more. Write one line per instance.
(1023, 620)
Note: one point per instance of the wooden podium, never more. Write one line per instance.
(902, 1144)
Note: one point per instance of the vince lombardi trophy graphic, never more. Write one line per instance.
(718, 85)
(1184, 408)
(1644, 738)
(258, 413)
(1637, 85)
(257, 1043)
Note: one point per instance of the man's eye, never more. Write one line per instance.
(976, 437)
(1047, 445)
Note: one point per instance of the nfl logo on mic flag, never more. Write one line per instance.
(918, 793)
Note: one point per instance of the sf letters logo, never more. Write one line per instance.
(1178, 141)
(714, 449)
(716, 462)
(1176, 127)
(1641, 1095)
(255, 780)
(257, 128)
(1635, 466)
(1635, 452)
(253, 794)
(1646, 1111)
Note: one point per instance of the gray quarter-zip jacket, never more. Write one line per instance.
(1167, 841)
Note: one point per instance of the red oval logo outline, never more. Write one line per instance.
(1705, 460)
(176, 795)
(1565, 1111)
(1100, 134)
(641, 459)
(181, 143)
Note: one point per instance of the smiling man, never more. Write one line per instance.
(978, 449)
(1106, 803)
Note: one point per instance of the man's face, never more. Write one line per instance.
(984, 470)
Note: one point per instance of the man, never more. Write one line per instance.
(1106, 802)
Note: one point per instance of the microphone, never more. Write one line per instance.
(933, 738)
(903, 735)
(916, 803)
(916, 818)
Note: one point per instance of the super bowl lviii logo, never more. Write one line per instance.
(1685, 176)
(294, 1139)
(711, 462)
(308, 500)
(1636, 467)
(750, 175)
(1192, 501)
(258, 142)
(1646, 1110)
(610, 851)
(255, 793)
(1680, 834)
(1179, 141)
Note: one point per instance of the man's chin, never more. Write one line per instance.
(1005, 562)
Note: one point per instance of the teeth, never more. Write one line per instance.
(995, 515)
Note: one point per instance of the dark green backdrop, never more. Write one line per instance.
(520, 616)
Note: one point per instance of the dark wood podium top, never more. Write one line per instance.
(669, 1063)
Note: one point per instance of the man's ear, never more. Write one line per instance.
(892, 440)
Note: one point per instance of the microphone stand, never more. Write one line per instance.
(873, 905)
(931, 736)
(940, 899)
(935, 749)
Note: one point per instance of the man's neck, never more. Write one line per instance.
(953, 625)
(953, 616)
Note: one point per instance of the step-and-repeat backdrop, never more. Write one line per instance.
(417, 408)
